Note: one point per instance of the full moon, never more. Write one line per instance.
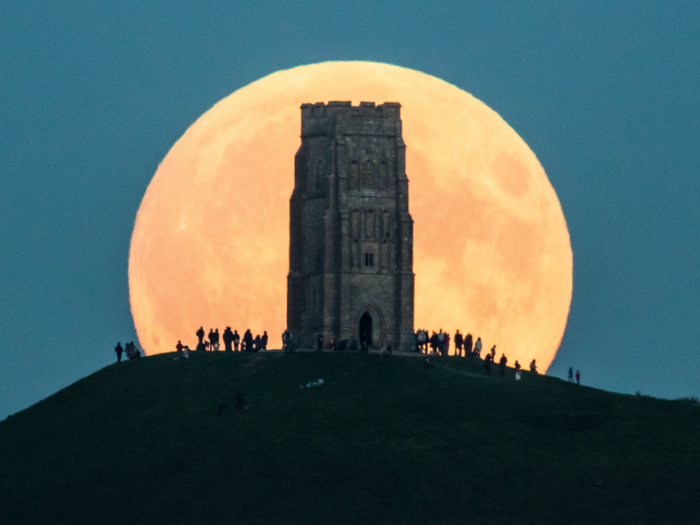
(492, 254)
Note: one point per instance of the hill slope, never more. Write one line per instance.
(382, 441)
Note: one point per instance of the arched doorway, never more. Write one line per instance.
(366, 329)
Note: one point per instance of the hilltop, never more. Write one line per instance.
(382, 441)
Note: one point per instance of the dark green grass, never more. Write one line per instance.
(383, 441)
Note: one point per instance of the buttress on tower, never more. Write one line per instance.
(351, 235)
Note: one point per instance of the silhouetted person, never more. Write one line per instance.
(434, 343)
(228, 339)
(236, 340)
(493, 353)
(487, 363)
(179, 348)
(200, 334)
(239, 401)
(248, 341)
(263, 341)
(533, 366)
(427, 363)
(502, 364)
(422, 337)
(517, 366)
(446, 345)
(441, 342)
(285, 340)
(571, 375)
(477, 347)
(468, 343)
(215, 344)
(290, 342)
(257, 344)
(118, 349)
(211, 338)
(131, 351)
(388, 351)
(458, 343)
(319, 342)
(331, 344)
(578, 377)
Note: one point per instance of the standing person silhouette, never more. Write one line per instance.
(477, 347)
(533, 366)
(228, 339)
(502, 364)
(468, 342)
(236, 340)
(458, 343)
(571, 375)
(578, 377)
(441, 342)
(487, 363)
(263, 340)
(118, 349)
(200, 335)
(179, 348)
(248, 341)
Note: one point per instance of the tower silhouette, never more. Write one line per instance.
(351, 234)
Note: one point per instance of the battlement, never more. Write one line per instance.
(339, 117)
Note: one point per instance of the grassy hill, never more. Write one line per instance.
(382, 441)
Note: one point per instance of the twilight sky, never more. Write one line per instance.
(605, 94)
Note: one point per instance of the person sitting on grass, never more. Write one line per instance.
(388, 351)
(533, 367)
(427, 363)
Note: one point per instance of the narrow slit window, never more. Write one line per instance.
(369, 259)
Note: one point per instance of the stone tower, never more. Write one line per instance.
(351, 235)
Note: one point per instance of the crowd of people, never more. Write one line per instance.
(232, 342)
(421, 341)
(439, 343)
(465, 346)
(231, 339)
(132, 352)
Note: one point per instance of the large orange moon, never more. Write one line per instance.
(492, 254)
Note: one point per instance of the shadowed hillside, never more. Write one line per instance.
(382, 441)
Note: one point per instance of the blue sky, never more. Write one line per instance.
(605, 93)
